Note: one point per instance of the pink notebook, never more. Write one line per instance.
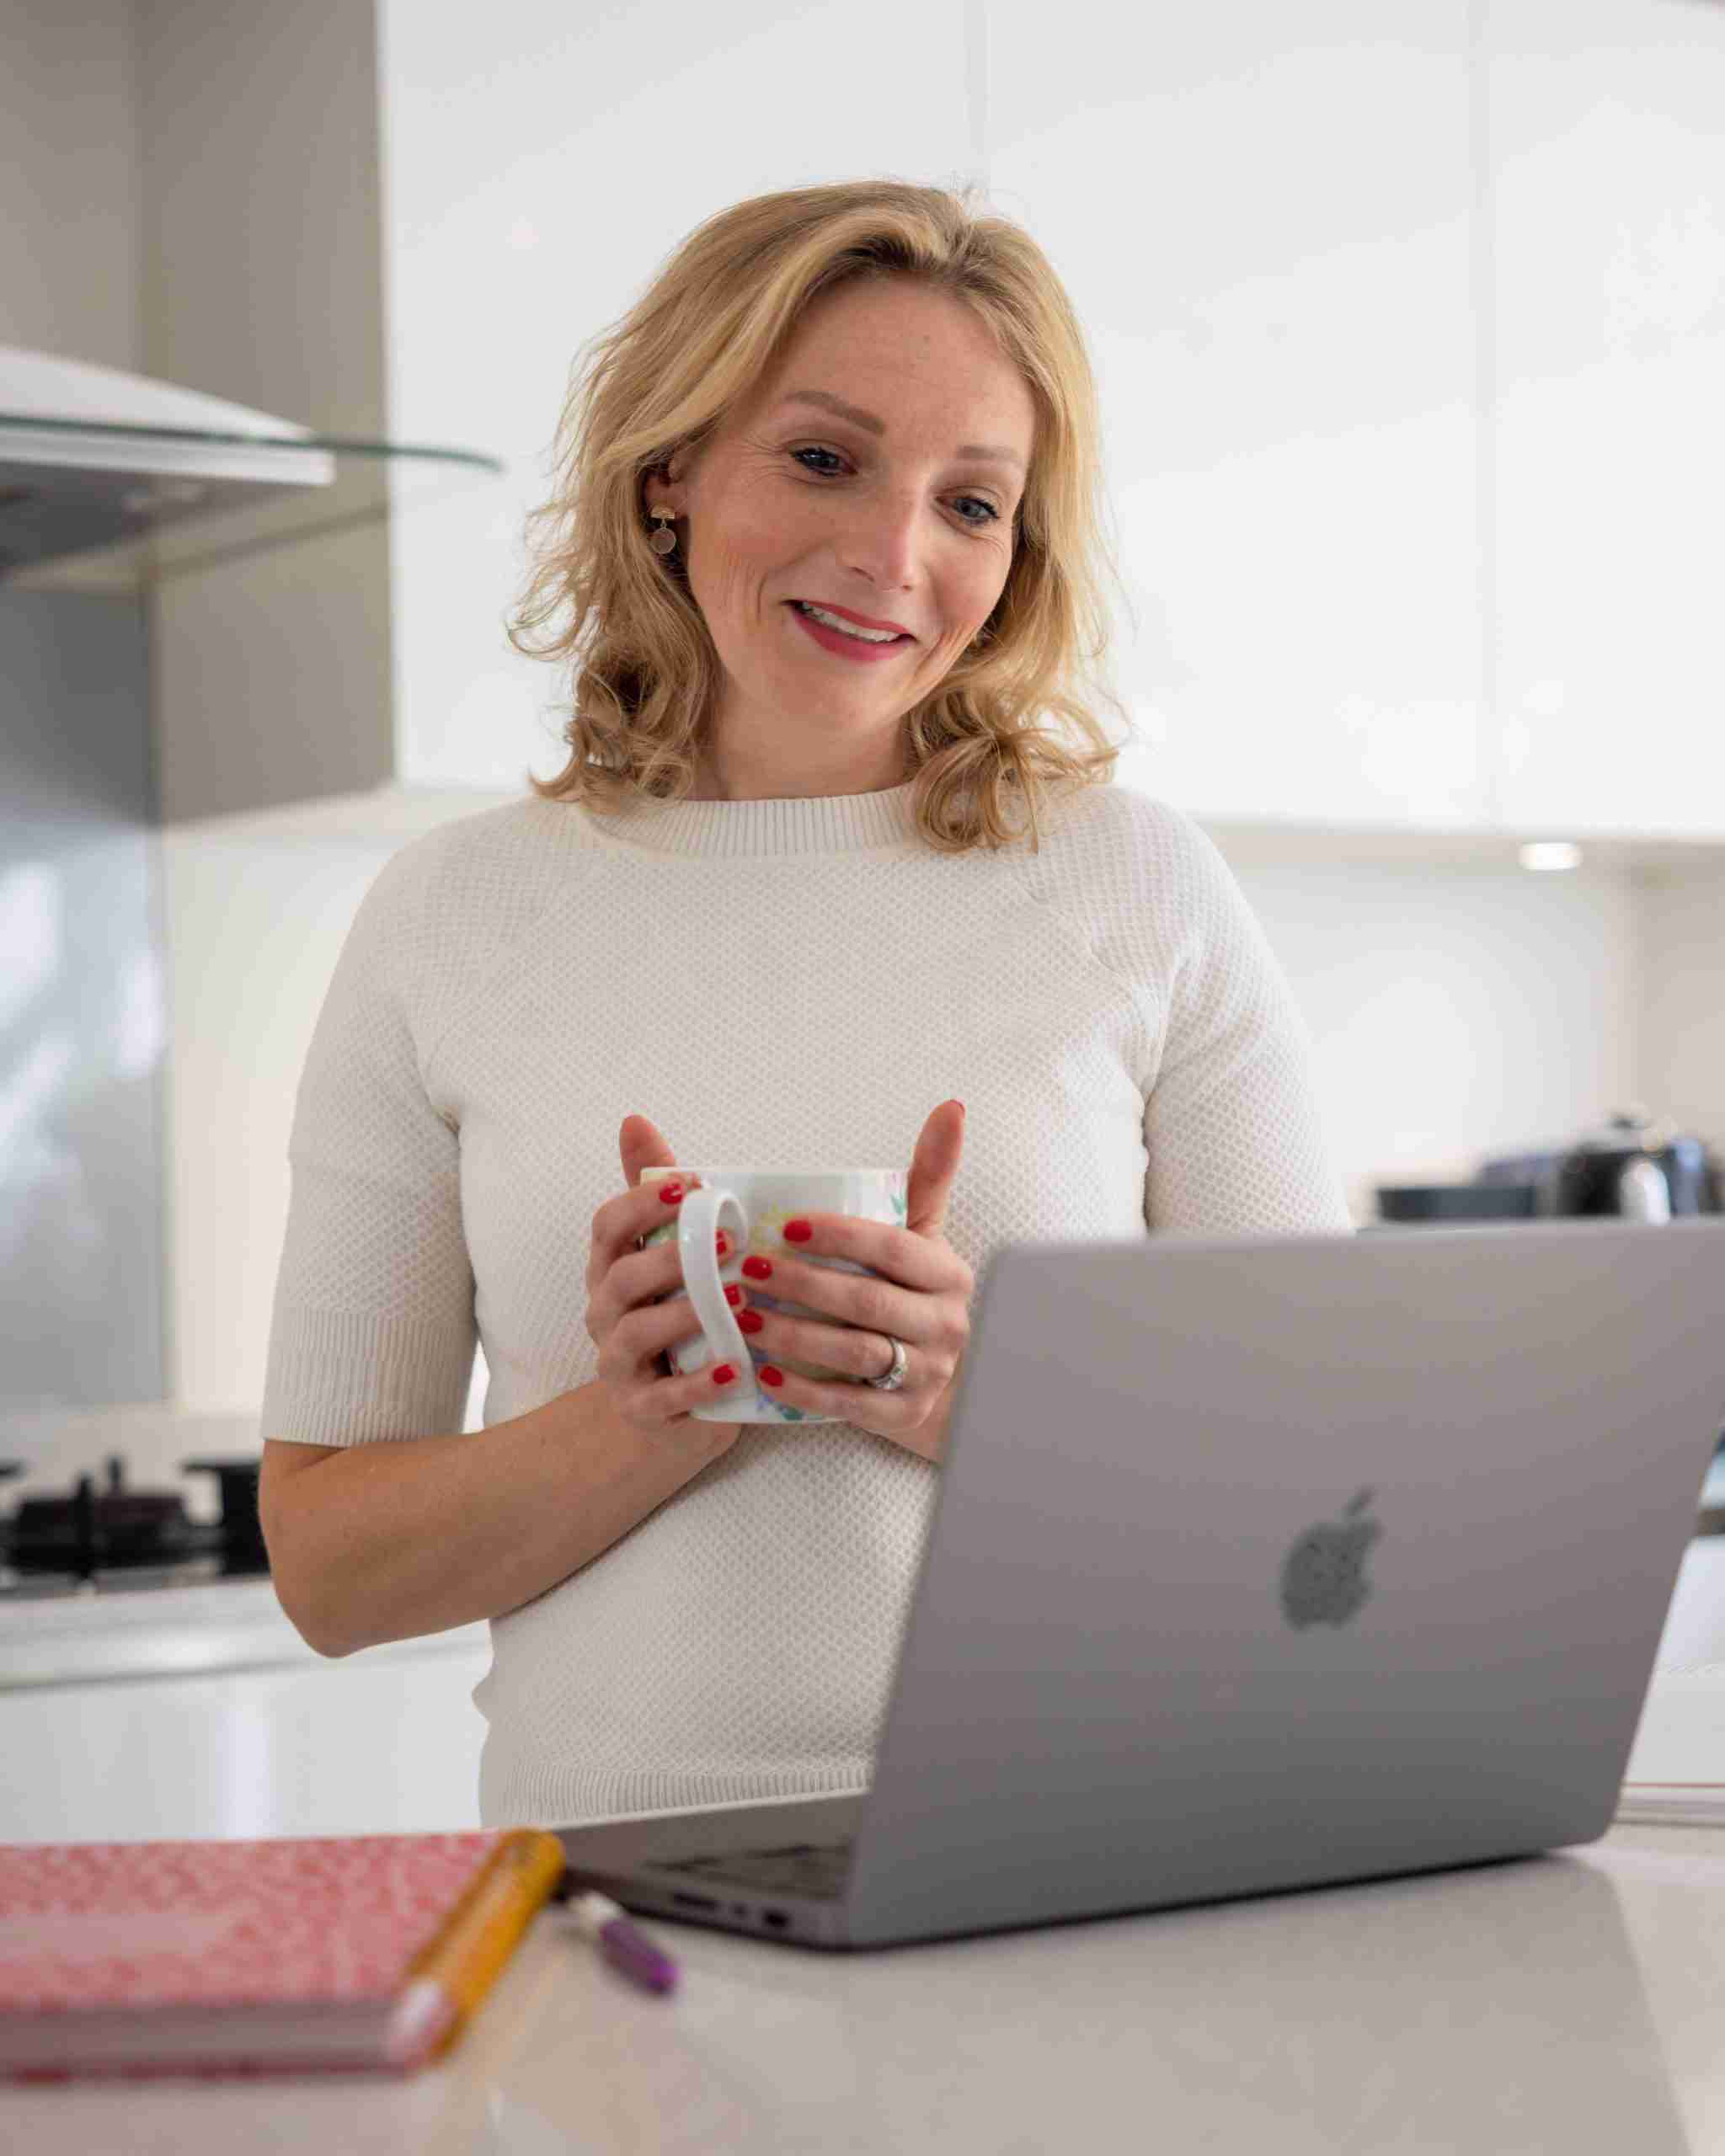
(141, 1958)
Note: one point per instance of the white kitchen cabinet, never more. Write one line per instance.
(1263, 221)
(1406, 315)
(202, 1714)
(1605, 133)
(538, 164)
(1265, 228)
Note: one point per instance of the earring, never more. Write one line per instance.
(665, 539)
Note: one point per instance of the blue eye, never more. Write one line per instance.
(814, 449)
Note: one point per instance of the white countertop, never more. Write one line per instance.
(1562, 2004)
(1558, 2003)
(174, 1631)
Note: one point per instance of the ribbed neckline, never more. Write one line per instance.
(822, 823)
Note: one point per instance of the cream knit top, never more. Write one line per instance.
(776, 982)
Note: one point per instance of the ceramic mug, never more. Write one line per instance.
(752, 1205)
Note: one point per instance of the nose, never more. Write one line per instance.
(882, 541)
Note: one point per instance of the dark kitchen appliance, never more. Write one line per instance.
(120, 1540)
(1636, 1168)
(1631, 1167)
(1454, 1203)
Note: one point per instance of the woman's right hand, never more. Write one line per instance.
(628, 1320)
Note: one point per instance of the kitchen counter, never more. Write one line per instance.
(184, 1712)
(179, 1713)
(176, 1631)
(1566, 2003)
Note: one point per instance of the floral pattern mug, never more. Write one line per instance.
(752, 1205)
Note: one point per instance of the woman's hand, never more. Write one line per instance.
(923, 1299)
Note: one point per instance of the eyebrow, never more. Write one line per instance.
(989, 454)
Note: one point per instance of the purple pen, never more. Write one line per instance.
(621, 1944)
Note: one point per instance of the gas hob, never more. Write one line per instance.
(120, 1540)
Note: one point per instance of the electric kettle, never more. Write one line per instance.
(1636, 1168)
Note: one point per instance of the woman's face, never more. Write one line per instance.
(909, 522)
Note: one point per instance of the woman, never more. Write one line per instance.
(783, 899)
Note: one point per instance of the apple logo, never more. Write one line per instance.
(1323, 1580)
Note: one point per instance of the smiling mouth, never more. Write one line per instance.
(845, 628)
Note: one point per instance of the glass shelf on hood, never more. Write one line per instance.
(85, 500)
(125, 527)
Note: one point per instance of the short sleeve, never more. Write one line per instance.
(373, 1333)
(1232, 1126)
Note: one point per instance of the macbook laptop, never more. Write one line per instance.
(1256, 1563)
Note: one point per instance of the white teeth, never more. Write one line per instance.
(845, 628)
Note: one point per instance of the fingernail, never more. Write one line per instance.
(768, 1375)
(724, 1242)
(797, 1231)
(723, 1374)
(669, 1193)
(758, 1268)
(734, 1294)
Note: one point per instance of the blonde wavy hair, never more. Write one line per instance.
(646, 673)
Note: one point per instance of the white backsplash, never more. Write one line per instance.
(1455, 1012)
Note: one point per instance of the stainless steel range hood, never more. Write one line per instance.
(90, 456)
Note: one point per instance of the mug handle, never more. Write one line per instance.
(698, 1218)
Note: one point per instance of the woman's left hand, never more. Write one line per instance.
(922, 1298)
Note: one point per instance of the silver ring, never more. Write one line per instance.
(896, 1376)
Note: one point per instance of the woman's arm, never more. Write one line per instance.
(393, 1540)
(1234, 1130)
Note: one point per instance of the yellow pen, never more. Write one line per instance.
(462, 1959)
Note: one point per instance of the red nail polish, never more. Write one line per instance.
(723, 1241)
(768, 1375)
(758, 1268)
(669, 1193)
(797, 1231)
(724, 1374)
(733, 1295)
(749, 1321)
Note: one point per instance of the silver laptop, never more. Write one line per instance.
(1256, 1564)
